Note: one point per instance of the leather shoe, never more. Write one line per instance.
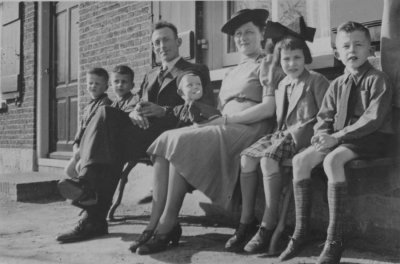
(242, 235)
(332, 253)
(85, 229)
(260, 240)
(294, 247)
(143, 238)
(160, 242)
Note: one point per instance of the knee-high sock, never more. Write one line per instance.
(272, 192)
(248, 185)
(302, 199)
(337, 196)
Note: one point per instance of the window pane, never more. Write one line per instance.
(61, 38)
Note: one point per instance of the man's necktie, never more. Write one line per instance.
(161, 75)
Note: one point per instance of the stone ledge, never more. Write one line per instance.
(29, 186)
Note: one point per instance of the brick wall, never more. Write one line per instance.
(113, 33)
(17, 124)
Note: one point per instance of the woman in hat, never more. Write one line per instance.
(206, 157)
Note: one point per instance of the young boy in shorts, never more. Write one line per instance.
(354, 121)
(96, 85)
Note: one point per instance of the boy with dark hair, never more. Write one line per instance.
(355, 120)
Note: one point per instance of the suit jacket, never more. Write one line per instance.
(167, 95)
(304, 104)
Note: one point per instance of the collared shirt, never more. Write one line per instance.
(371, 109)
(127, 103)
(170, 64)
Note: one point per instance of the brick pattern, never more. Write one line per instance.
(114, 33)
(111, 33)
(17, 129)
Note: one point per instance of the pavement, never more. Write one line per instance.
(28, 231)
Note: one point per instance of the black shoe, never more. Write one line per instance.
(84, 230)
(242, 235)
(147, 198)
(160, 242)
(332, 253)
(77, 192)
(294, 247)
(260, 241)
(143, 238)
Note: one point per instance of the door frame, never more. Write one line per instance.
(43, 79)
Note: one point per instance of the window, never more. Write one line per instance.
(10, 49)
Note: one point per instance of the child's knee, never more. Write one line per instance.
(269, 166)
(301, 162)
(334, 161)
(248, 164)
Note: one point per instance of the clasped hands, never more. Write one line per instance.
(143, 110)
(323, 142)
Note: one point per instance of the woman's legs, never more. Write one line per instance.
(248, 224)
(248, 186)
(177, 189)
(160, 190)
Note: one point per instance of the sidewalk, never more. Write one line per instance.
(28, 231)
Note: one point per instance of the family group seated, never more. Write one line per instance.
(270, 108)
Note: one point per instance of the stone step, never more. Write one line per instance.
(29, 186)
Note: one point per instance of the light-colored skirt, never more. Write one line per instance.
(209, 157)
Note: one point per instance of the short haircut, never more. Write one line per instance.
(164, 24)
(291, 43)
(99, 72)
(351, 26)
(123, 69)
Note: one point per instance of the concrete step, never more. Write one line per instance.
(29, 186)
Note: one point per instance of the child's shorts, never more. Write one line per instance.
(372, 145)
(275, 146)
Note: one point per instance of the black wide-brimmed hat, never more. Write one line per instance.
(297, 28)
(243, 16)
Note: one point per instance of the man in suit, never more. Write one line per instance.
(113, 137)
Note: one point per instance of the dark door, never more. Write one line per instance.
(64, 88)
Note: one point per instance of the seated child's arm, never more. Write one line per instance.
(203, 112)
(327, 112)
